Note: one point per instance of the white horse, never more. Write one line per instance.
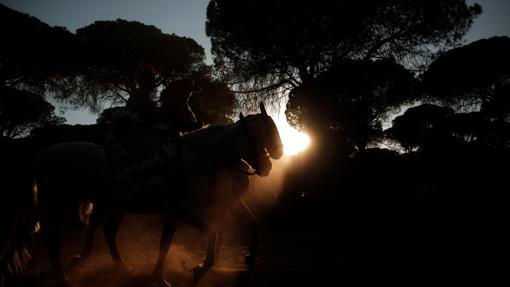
(198, 178)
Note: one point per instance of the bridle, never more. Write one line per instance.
(253, 142)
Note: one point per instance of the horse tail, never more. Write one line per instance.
(21, 222)
(85, 211)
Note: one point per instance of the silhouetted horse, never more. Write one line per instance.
(192, 180)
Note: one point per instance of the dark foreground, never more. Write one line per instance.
(313, 256)
(284, 260)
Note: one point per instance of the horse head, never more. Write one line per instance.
(270, 135)
(263, 141)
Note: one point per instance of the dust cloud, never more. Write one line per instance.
(138, 242)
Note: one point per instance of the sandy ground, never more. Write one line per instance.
(290, 260)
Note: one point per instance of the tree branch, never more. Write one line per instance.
(384, 41)
(266, 88)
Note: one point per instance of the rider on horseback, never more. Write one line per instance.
(141, 102)
(134, 142)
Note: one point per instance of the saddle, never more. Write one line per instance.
(141, 160)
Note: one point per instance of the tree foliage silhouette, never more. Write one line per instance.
(116, 49)
(352, 100)
(21, 111)
(475, 79)
(477, 74)
(266, 45)
(411, 128)
(34, 58)
(266, 48)
(33, 55)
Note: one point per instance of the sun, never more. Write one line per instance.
(293, 140)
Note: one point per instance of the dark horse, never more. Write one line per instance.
(204, 174)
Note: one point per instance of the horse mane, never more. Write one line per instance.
(206, 131)
(211, 130)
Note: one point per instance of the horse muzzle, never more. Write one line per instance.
(276, 153)
(263, 167)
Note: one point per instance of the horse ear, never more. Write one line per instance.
(242, 119)
(262, 108)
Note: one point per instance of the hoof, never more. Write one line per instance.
(249, 259)
(160, 281)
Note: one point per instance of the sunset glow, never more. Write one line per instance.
(293, 140)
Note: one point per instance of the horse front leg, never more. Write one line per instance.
(219, 240)
(251, 257)
(86, 251)
(209, 259)
(213, 255)
(195, 219)
(166, 239)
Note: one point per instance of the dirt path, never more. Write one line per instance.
(284, 260)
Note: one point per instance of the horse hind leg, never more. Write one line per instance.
(96, 219)
(51, 227)
(110, 230)
(94, 222)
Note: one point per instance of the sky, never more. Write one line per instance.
(494, 20)
(187, 18)
(182, 17)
